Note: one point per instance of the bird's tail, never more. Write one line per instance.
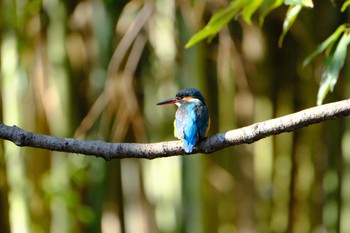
(189, 145)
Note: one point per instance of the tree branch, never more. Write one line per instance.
(211, 144)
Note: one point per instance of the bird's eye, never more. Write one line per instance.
(178, 97)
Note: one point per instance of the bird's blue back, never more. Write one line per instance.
(191, 123)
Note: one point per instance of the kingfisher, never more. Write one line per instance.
(192, 121)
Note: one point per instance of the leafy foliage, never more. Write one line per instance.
(334, 62)
(335, 47)
(345, 5)
(292, 14)
(217, 21)
(305, 3)
(267, 7)
(328, 43)
(294, 9)
(246, 8)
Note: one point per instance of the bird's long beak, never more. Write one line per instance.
(168, 101)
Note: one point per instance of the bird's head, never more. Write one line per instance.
(185, 96)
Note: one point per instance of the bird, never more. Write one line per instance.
(192, 121)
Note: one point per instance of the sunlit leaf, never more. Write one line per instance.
(216, 22)
(345, 5)
(325, 44)
(267, 7)
(331, 74)
(304, 3)
(291, 15)
(249, 10)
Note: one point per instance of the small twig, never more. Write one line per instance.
(211, 144)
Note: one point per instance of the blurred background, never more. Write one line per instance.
(95, 70)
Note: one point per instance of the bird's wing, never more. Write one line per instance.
(191, 130)
(203, 121)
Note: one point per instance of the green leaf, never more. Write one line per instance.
(291, 15)
(304, 3)
(267, 7)
(325, 44)
(345, 5)
(331, 74)
(249, 10)
(216, 22)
